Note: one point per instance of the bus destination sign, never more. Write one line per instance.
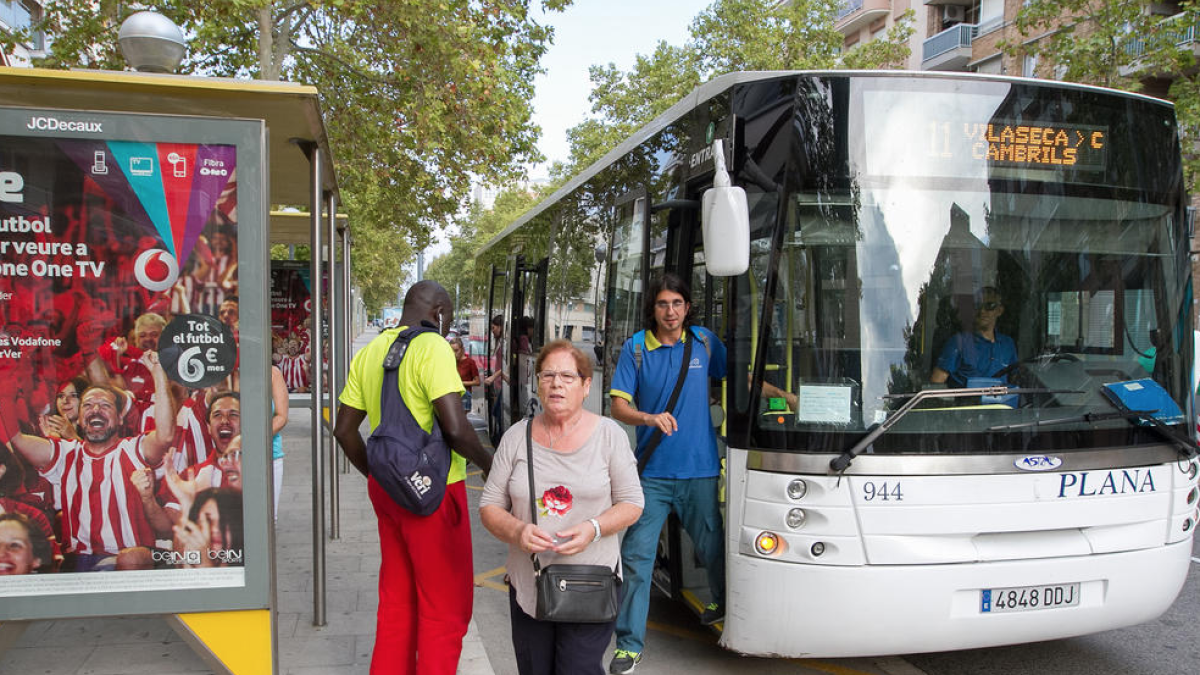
(1010, 143)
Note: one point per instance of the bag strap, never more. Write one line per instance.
(657, 436)
(390, 398)
(532, 498)
(537, 568)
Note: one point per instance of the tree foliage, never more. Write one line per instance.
(420, 96)
(1120, 45)
(729, 35)
(455, 270)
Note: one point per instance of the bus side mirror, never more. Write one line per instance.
(725, 222)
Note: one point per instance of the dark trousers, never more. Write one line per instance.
(548, 648)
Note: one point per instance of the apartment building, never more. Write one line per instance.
(18, 15)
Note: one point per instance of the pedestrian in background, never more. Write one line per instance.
(426, 577)
(587, 478)
(467, 371)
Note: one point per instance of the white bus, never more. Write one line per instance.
(888, 513)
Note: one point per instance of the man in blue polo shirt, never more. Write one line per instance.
(980, 353)
(683, 469)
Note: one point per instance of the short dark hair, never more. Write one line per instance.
(225, 394)
(667, 282)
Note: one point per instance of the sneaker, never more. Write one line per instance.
(623, 662)
(712, 613)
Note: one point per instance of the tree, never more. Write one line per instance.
(729, 35)
(455, 270)
(1087, 41)
(1120, 45)
(420, 97)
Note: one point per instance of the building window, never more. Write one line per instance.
(22, 14)
(1029, 65)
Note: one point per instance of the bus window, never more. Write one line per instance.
(624, 307)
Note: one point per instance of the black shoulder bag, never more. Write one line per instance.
(657, 436)
(570, 593)
(410, 464)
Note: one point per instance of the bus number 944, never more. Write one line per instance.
(884, 492)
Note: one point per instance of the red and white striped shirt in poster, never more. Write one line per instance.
(101, 509)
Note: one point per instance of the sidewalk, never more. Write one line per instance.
(129, 646)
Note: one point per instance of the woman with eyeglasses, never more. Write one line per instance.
(587, 490)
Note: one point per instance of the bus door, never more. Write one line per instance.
(676, 246)
(527, 328)
(497, 303)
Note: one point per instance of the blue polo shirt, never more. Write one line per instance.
(690, 452)
(969, 355)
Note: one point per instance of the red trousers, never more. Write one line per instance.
(426, 585)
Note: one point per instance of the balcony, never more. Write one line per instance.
(853, 15)
(1180, 37)
(949, 49)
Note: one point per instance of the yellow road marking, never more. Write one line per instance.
(483, 579)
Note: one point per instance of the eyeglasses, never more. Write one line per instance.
(669, 304)
(990, 306)
(567, 377)
(230, 457)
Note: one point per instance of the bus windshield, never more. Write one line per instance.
(996, 234)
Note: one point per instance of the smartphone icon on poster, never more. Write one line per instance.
(179, 163)
(99, 163)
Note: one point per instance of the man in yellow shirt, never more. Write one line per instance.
(426, 582)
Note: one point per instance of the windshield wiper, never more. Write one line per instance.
(1147, 417)
(840, 463)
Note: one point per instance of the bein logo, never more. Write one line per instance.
(228, 557)
(176, 557)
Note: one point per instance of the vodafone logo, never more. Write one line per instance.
(308, 305)
(156, 270)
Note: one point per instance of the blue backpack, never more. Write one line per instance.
(410, 464)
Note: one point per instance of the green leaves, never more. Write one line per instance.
(729, 35)
(420, 98)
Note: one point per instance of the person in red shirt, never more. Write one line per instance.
(97, 469)
(467, 370)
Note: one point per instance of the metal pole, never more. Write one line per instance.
(335, 345)
(318, 426)
(348, 322)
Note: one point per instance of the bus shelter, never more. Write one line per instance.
(148, 172)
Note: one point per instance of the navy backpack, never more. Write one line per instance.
(409, 463)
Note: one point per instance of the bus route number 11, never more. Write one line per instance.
(882, 492)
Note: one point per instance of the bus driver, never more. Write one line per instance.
(982, 352)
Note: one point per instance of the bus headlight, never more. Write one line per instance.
(795, 518)
(797, 489)
(767, 543)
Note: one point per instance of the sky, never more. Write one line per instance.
(591, 32)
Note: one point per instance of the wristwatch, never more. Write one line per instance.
(596, 524)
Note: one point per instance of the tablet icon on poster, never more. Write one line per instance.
(197, 350)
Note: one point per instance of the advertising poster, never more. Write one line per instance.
(291, 323)
(120, 404)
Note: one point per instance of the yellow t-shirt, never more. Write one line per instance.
(427, 373)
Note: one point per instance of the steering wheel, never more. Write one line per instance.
(1045, 359)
